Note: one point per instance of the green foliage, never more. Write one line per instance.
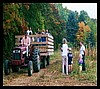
(91, 39)
(61, 22)
(83, 16)
(11, 27)
(71, 27)
(93, 26)
(63, 12)
(91, 69)
(88, 76)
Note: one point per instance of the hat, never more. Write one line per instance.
(69, 49)
(64, 40)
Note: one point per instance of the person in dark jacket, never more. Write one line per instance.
(43, 38)
(70, 61)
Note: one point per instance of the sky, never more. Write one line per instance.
(90, 8)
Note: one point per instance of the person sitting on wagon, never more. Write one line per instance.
(43, 38)
(29, 32)
(47, 32)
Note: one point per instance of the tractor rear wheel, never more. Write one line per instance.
(6, 67)
(36, 60)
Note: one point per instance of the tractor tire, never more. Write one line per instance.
(44, 62)
(15, 68)
(30, 68)
(36, 60)
(6, 67)
(48, 60)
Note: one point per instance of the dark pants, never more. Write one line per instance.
(83, 64)
(65, 69)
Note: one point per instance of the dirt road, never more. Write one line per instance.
(50, 76)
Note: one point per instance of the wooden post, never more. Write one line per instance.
(88, 49)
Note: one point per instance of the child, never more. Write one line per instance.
(70, 56)
(80, 61)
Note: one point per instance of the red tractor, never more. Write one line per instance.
(39, 56)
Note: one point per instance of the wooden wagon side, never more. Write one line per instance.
(46, 48)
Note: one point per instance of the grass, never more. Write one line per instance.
(57, 55)
(91, 70)
(90, 75)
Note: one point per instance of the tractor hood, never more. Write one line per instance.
(21, 48)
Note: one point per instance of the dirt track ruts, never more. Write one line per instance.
(50, 76)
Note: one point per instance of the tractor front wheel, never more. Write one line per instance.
(15, 68)
(6, 67)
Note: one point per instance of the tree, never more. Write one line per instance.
(92, 38)
(61, 22)
(12, 21)
(71, 28)
(83, 17)
(83, 32)
(63, 12)
(93, 25)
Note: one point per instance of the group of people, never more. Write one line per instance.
(67, 58)
(67, 55)
(42, 39)
(25, 41)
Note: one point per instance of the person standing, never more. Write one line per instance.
(70, 61)
(64, 50)
(82, 52)
(80, 61)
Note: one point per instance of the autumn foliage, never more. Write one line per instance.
(18, 17)
(82, 31)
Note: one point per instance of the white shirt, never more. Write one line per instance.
(64, 49)
(29, 31)
(82, 49)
